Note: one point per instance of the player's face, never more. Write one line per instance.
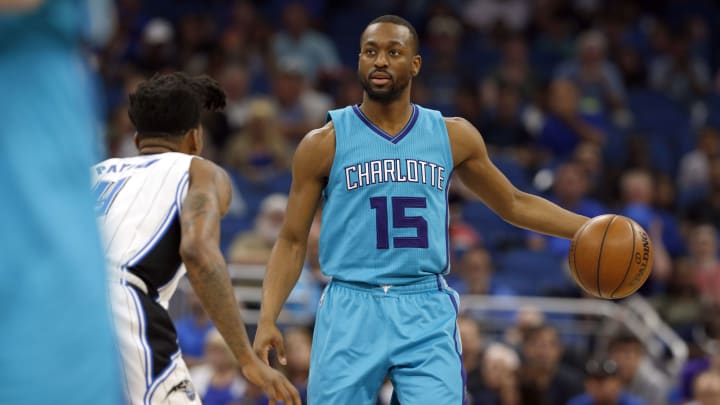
(387, 61)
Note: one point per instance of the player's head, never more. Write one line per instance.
(166, 110)
(388, 58)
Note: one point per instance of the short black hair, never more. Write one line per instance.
(395, 19)
(624, 338)
(171, 104)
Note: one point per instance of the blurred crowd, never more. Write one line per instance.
(603, 106)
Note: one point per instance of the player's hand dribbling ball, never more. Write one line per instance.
(610, 256)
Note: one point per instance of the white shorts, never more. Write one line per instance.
(154, 371)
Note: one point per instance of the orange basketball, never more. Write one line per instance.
(610, 256)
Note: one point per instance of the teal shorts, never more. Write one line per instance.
(408, 333)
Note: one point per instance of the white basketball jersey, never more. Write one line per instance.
(138, 205)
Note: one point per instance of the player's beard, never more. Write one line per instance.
(386, 95)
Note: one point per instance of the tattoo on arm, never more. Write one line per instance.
(198, 206)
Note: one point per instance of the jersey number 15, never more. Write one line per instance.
(400, 220)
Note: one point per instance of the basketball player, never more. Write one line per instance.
(56, 338)
(160, 215)
(382, 170)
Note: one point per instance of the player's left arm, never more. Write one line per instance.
(478, 173)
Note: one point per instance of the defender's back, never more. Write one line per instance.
(138, 204)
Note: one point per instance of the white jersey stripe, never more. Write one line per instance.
(147, 354)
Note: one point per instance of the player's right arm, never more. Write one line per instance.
(207, 200)
(310, 170)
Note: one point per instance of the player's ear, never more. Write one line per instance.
(196, 140)
(136, 140)
(416, 63)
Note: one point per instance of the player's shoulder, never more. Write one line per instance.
(200, 167)
(323, 133)
(319, 140)
(457, 124)
(316, 151)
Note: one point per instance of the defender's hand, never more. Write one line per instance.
(268, 337)
(275, 385)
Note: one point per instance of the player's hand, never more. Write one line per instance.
(268, 337)
(275, 385)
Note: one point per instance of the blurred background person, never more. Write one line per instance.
(218, 380)
(637, 373)
(254, 246)
(543, 378)
(192, 330)
(706, 390)
(498, 384)
(604, 387)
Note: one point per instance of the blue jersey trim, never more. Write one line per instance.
(394, 139)
(147, 400)
(463, 374)
(446, 268)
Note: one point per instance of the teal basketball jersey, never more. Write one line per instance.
(385, 211)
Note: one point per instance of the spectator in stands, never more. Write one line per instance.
(694, 169)
(706, 208)
(709, 361)
(603, 386)
(247, 41)
(443, 69)
(703, 263)
(544, 380)
(637, 188)
(589, 156)
(298, 342)
(632, 67)
(484, 15)
(192, 330)
(349, 92)
(475, 275)
(196, 37)
(599, 82)
(235, 80)
(678, 73)
(527, 318)
(706, 389)
(157, 51)
(514, 69)
(636, 371)
(503, 128)
(472, 344)
(498, 384)
(570, 191)
(463, 236)
(260, 151)
(218, 381)
(120, 133)
(313, 49)
(253, 247)
(297, 345)
(258, 161)
(566, 126)
(554, 41)
(679, 306)
(300, 108)
(302, 302)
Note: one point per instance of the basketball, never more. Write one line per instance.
(610, 256)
